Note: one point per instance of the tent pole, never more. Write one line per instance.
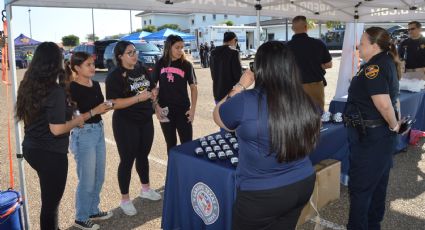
(18, 133)
(258, 8)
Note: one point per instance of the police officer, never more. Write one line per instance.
(412, 50)
(371, 117)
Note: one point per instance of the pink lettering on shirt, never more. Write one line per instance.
(170, 71)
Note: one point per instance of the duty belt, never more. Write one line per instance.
(366, 123)
(422, 69)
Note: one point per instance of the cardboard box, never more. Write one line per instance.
(326, 188)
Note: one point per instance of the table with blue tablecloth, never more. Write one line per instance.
(196, 187)
(412, 103)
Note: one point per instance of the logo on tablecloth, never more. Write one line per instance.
(205, 203)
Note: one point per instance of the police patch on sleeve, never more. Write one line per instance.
(372, 71)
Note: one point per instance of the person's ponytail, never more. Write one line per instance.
(396, 58)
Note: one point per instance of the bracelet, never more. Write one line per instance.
(91, 113)
(393, 129)
(240, 85)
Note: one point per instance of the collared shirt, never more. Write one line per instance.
(413, 52)
(310, 54)
(377, 76)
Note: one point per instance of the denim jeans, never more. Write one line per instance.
(88, 146)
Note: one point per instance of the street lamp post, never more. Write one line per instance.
(131, 23)
(92, 19)
(29, 18)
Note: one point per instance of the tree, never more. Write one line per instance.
(169, 26)
(228, 23)
(115, 36)
(149, 28)
(333, 24)
(89, 37)
(70, 40)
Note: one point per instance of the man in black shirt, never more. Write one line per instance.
(226, 68)
(412, 50)
(312, 57)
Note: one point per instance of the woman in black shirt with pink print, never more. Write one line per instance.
(174, 73)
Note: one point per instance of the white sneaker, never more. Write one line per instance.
(150, 194)
(128, 208)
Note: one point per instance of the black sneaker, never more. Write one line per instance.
(102, 216)
(86, 225)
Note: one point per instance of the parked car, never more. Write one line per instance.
(20, 61)
(149, 54)
(96, 49)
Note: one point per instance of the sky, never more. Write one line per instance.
(51, 24)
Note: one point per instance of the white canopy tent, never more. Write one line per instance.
(336, 10)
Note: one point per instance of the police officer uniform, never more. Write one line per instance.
(413, 52)
(372, 143)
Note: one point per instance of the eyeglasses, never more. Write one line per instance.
(132, 53)
(410, 29)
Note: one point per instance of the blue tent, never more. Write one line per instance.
(23, 40)
(135, 36)
(164, 33)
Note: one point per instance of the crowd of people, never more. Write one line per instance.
(274, 108)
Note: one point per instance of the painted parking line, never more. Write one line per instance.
(150, 157)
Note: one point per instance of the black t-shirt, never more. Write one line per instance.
(124, 83)
(87, 98)
(55, 110)
(378, 76)
(226, 70)
(173, 80)
(414, 51)
(310, 54)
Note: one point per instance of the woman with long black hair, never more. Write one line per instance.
(277, 126)
(174, 73)
(129, 87)
(45, 108)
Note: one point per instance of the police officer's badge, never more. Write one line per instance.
(372, 71)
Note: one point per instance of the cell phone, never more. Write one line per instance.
(406, 124)
(251, 66)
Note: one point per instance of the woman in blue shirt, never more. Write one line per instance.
(277, 126)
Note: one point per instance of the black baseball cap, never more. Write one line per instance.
(228, 36)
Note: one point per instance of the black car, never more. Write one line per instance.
(149, 54)
(96, 49)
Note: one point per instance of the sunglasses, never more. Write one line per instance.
(410, 29)
(132, 53)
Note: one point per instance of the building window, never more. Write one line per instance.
(204, 18)
(144, 22)
(150, 22)
(225, 16)
(214, 17)
(193, 21)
